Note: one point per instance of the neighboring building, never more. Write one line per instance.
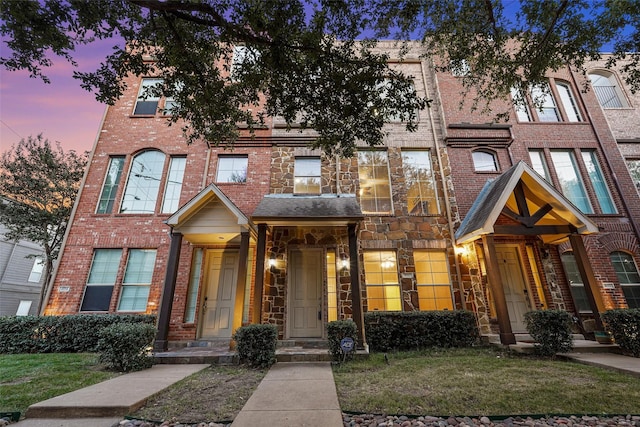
(276, 232)
(21, 276)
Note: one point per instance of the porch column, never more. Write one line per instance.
(259, 282)
(497, 290)
(356, 293)
(590, 281)
(166, 301)
(241, 282)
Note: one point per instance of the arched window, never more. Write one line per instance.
(607, 89)
(484, 161)
(143, 183)
(628, 276)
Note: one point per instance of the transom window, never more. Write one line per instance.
(375, 188)
(484, 161)
(607, 90)
(575, 280)
(381, 278)
(433, 282)
(137, 280)
(421, 187)
(628, 276)
(232, 169)
(143, 183)
(548, 102)
(307, 175)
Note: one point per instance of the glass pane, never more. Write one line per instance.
(140, 266)
(173, 188)
(570, 182)
(625, 268)
(520, 105)
(232, 169)
(147, 102)
(539, 163)
(194, 286)
(575, 280)
(144, 183)
(421, 195)
(632, 295)
(484, 161)
(568, 102)
(104, 267)
(606, 91)
(36, 270)
(110, 185)
(134, 298)
(545, 105)
(634, 170)
(332, 293)
(597, 180)
(373, 174)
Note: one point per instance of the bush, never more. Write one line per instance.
(256, 345)
(551, 329)
(77, 333)
(420, 329)
(338, 330)
(624, 324)
(124, 347)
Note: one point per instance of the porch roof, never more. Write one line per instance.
(529, 201)
(210, 217)
(324, 209)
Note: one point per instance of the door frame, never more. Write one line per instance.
(528, 298)
(323, 289)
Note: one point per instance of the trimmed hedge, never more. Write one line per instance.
(336, 332)
(391, 330)
(125, 347)
(551, 329)
(624, 324)
(76, 333)
(256, 345)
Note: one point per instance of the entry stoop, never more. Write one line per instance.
(301, 350)
(525, 344)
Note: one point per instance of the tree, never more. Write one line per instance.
(40, 183)
(314, 62)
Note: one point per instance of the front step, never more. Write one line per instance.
(525, 344)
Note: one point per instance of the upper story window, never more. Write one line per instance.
(634, 170)
(143, 183)
(598, 183)
(307, 174)
(484, 161)
(539, 163)
(232, 169)
(243, 56)
(549, 102)
(375, 187)
(421, 187)
(570, 180)
(628, 276)
(173, 186)
(459, 68)
(110, 185)
(607, 90)
(148, 97)
(36, 270)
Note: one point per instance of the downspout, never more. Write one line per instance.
(52, 279)
(442, 176)
(607, 159)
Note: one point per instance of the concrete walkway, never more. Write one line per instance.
(293, 394)
(616, 362)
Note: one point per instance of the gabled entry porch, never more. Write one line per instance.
(512, 220)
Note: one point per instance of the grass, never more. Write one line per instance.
(481, 382)
(30, 378)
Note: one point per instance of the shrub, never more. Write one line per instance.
(59, 334)
(624, 324)
(551, 329)
(420, 329)
(336, 331)
(256, 345)
(124, 347)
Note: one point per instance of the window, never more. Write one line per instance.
(607, 90)
(307, 172)
(243, 57)
(332, 287)
(137, 280)
(232, 169)
(173, 186)
(375, 188)
(575, 280)
(36, 270)
(110, 185)
(571, 184)
(194, 286)
(542, 103)
(24, 307)
(421, 187)
(484, 161)
(628, 276)
(459, 67)
(143, 183)
(148, 97)
(597, 181)
(539, 163)
(433, 282)
(381, 278)
(634, 171)
(102, 278)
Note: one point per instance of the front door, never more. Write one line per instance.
(219, 294)
(305, 300)
(515, 288)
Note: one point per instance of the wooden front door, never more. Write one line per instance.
(515, 288)
(305, 295)
(219, 294)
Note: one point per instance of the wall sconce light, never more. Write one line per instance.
(344, 262)
(272, 261)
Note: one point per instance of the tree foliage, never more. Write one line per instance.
(39, 183)
(313, 62)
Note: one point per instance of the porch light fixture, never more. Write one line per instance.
(344, 262)
(272, 260)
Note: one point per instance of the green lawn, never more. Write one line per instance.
(481, 382)
(30, 378)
